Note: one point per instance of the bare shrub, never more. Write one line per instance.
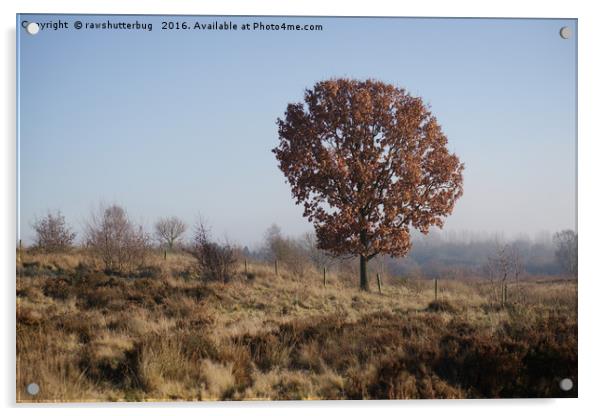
(52, 233)
(441, 305)
(121, 245)
(169, 230)
(215, 261)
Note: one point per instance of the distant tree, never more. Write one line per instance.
(285, 250)
(566, 251)
(274, 243)
(319, 258)
(246, 252)
(504, 265)
(52, 233)
(367, 161)
(120, 244)
(169, 230)
(276, 246)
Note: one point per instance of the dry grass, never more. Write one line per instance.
(163, 335)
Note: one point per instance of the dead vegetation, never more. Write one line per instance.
(162, 334)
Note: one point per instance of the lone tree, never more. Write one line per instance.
(367, 161)
(169, 230)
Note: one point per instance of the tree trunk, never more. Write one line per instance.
(364, 273)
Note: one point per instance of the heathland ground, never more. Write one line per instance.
(163, 334)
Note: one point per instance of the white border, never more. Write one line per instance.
(590, 288)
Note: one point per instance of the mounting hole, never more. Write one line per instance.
(566, 384)
(33, 389)
(32, 28)
(565, 32)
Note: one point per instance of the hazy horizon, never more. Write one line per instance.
(182, 122)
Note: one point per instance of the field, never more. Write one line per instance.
(164, 335)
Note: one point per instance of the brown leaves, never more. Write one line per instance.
(367, 161)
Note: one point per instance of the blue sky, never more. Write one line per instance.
(182, 122)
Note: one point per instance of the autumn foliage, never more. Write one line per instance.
(368, 162)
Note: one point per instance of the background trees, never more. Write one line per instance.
(447, 254)
(52, 233)
(285, 250)
(566, 251)
(318, 257)
(169, 230)
(367, 161)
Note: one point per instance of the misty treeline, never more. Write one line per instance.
(466, 255)
(123, 246)
(454, 255)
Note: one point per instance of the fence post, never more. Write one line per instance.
(20, 250)
(378, 281)
(165, 254)
(276, 267)
(246, 269)
(436, 289)
(503, 300)
(324, 276)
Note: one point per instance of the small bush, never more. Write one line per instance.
(187, 273)
(197, 346)
(152, 272)
(82, 271)
(57, 288)
(112, 361)
(99, 297)
(215, 261)
(36, 269)
(292, 386)
(29, 316)
(441, 306)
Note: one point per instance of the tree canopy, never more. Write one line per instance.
(368, 162)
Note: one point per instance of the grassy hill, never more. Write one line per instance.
(163, 334)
